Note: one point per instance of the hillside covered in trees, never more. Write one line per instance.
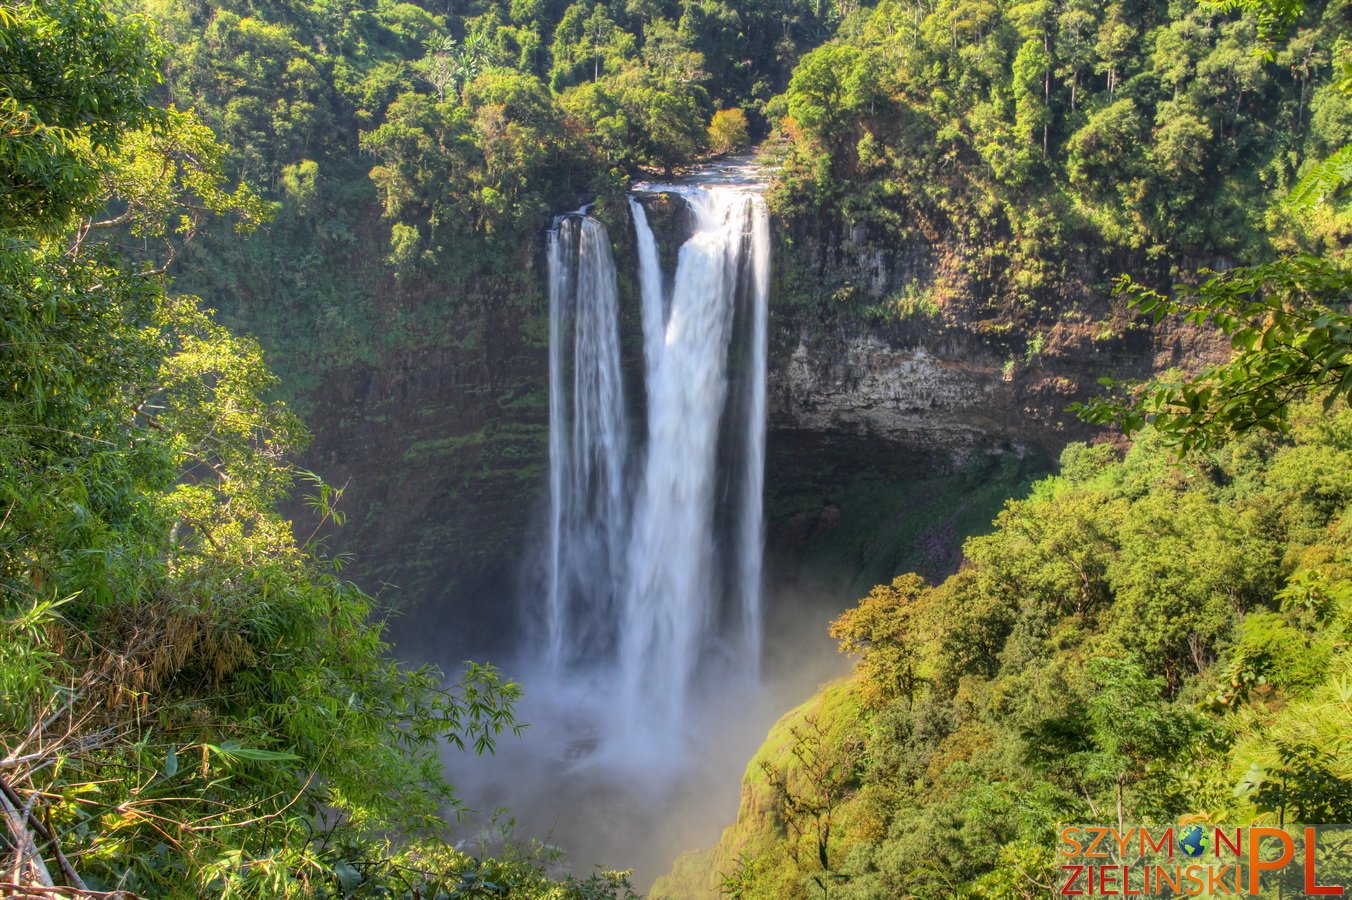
(1138, 640)
(196, 701)
(1036, 150)
(475, 127)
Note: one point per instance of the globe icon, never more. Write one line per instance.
(1193, 841)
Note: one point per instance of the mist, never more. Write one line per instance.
(637, 804)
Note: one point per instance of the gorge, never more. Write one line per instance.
(724, 503)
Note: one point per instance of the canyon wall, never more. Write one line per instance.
(434, 416)
(887, 343)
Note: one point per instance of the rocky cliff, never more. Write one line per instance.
(892, 344)
(886, 370)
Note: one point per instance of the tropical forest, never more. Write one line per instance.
(580, 449)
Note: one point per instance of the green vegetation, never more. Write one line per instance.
(1138, 640)
(879, 523)
(729, 131)
(483, 122)
(192, 702)
(1016, 139)
(1287, 320)
(415, 153)
(1292, 337)
(195, 702)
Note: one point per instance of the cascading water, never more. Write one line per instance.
(643, 690)
(751, 530)
(656, 526)
(588, 440)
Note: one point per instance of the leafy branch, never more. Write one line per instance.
(1289, 324)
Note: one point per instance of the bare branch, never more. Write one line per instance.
(35, 825)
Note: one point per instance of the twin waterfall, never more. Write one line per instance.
(656, 532)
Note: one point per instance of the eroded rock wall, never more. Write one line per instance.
(892, 345)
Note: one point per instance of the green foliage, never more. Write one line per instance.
(1292, 337)
(1286, 320)
(481, 171)
(449, 66)
(587, 43)
(1139, 640)
(483, 120)
(72, 80)
(810, 792)
(1117, 736)
(799, 792)
(1303, 787)
(1323, 182)
(193, 702)
(1274, 17)
(167, 179)
(879, 629)
(1011, 140)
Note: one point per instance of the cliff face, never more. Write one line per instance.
(428, 400)
(951, 390)
(893, 344)
(923, 393)
(445, 463)
(435, 414)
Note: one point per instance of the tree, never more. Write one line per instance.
(599, 107)
(817, 94)
(1287, 320)
(73, 80)
(165, 180)
(1103, 148)
(451, 64)
(188, 694)
(667, 52)
(1115, 737)
(1302, 787)
(587, 44)
(1077, 31)
(881, 629)
(728, 131)
(1184, 575)
(1031, 113)
(810, 795)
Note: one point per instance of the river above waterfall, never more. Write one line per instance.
(745, 172)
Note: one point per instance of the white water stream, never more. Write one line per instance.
(656, 544)
(643, 689)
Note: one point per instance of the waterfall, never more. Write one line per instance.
(650, 284)
(588, 441)
(751, 529)
(656, 530)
